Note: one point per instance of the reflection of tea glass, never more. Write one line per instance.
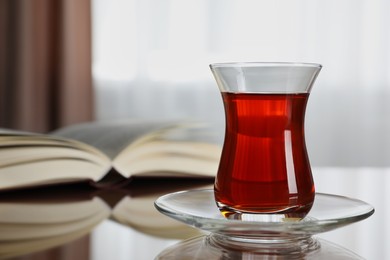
(264, 173)
(209, 247)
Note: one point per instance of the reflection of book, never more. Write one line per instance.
(32, 220)
(29, 223)
(137, 209)
(91, 150)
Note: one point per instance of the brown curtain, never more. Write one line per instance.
(45, 64)
(45, 75)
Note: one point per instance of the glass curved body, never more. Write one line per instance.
(264, 173)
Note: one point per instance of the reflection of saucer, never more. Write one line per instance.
(204, 248)
(197, 208)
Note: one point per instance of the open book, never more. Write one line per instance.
(33, 220)
(90, 151)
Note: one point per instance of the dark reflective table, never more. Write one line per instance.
(82, 223)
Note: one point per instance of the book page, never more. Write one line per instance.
(28, 159)
(111, 137)
(187, 151)
(168, 158)
(17, 139)
(48, 172)
(11, 132)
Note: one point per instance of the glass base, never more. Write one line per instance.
(269, 245)
(272, 215)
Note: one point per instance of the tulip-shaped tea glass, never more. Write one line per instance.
(264, 173)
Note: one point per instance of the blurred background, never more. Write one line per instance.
(64, 62)
(150, 59)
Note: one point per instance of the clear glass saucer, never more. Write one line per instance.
(198, 208)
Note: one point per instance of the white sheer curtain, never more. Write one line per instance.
(151, 60)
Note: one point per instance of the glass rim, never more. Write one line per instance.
(265, 64)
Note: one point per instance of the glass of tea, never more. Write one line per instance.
(264, 172)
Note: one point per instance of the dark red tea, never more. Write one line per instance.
(264, 166)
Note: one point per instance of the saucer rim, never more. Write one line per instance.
(328, 224)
